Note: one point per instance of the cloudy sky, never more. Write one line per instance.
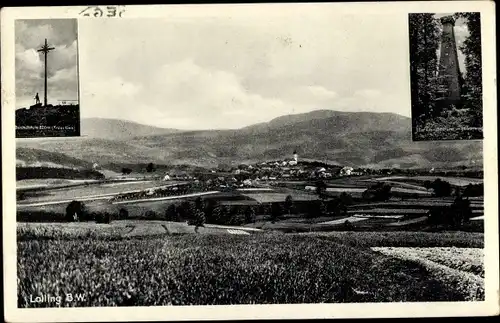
(232, 71)
(62, 62)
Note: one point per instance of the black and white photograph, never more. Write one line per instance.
(46, 78)
(446, 76)
(259, 155)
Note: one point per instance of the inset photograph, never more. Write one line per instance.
(47, 100)
(445, 76)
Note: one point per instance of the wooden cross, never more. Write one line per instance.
(45, 49)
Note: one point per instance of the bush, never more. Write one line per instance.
(288, 204)
(474, 190)
(75, 211)
(123, 213)
(347, 225)
(103, 218)
(249, 214)
(379, 192)
(198, 220)
(276, 211)
(441, 188)
(171, 213)
(126, 171)
(150, 168)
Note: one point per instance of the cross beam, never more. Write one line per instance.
(45, 49)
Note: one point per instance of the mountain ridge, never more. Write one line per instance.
(355, 139)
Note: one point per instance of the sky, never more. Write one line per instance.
(220, 71)
(223, 72)
(62, 61)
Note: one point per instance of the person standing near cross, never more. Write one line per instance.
(45, 49)
(37, 98)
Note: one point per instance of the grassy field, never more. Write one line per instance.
(462, 268)
(90, 190)
(419, 180)
(111, 267)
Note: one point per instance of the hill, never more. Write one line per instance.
(115, 129)
(356, 139)
(32, 157)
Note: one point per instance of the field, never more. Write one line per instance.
(91, 190)
(111, 267)
(457, 181)
(405, 210)
(459, 267)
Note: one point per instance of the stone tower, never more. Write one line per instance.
(449, 77)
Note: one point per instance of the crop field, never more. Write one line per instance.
(279, 197)
(456, 239)
(90, 190)
(47, 182)
(461, 268)
(210, 269)
(115, 230)
(457, 181)
(351, 219)
(408, 204)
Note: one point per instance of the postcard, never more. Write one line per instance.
(249, 161)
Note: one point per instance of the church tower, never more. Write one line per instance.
(295, 156)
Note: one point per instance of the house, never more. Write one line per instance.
(166, 178)
(346, 171)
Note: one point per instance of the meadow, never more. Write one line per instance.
(114, 268)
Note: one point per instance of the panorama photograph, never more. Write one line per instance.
(233, 160)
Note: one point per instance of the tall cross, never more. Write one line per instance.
(45, 49)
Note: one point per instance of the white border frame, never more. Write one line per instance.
(366, 310)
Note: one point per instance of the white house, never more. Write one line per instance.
(346, 171)
(166, 178)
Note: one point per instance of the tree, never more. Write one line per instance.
(103, 218)
(321, 188)
(428, 184)
(441, 188)
(379, 192)
(288, 204)
(150, 168)
(186, 210)
(249, 214)
(471, 48)
(126, 171)
(198, 203)
(75, 211)
(460, 211)
(276, 212)
(218, 215)
(345, 201)
(474, 190)
(171, 213)
(424, 42)
(198, 220)
(150, 214)
(123, 213)
(210, 206)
